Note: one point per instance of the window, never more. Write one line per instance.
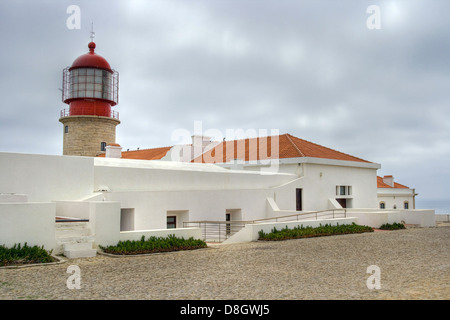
(171, 222)
(66, 129)
(406, 205)
(103, 146)
(343, 190)
(382, 205)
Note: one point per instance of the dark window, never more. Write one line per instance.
(228, 226)
(171, 222)
(66, 129)
(406, 205)
(103, 146)
(382, 205)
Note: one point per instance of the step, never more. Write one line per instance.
(73, 239)
(72, 229)
(71, 232)
(80, 253)
(71, 225)
(78, 245)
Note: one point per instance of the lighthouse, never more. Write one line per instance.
(91, 89)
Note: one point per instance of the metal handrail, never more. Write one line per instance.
(214, 231)
(302, 214)
(66, 113)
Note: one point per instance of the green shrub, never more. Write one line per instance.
(25, 254)
(154, 244)
(307, 232)
(392, 226)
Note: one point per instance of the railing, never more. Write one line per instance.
(218, 231)
(66, 113)
(323, 214)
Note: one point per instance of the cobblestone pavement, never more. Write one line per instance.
(414, 264)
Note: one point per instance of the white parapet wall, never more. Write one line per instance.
(185, 233)
(250, 231)
(442, 217)
(375, 218)
(33, 223)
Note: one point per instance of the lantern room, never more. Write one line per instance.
(90, 86)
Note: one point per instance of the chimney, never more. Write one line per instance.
(389, 180)
(199, 143)
(113, 150)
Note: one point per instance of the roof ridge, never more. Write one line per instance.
(295, 146)
(148, 149)
(334, 150)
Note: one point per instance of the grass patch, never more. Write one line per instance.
(24, 254)
(154, 245)
(308, 232)
(392, 226)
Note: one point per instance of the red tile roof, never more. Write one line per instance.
(254, 149)
(381, 184)
(144, 154)
(260, 149)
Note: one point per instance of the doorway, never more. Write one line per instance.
(342, 202)
(232, 215)
(127, 219)
(299, 199)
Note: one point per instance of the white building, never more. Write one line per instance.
(124, 198)
(393, 195)
(117, 195)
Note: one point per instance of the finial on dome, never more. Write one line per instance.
(91, 47)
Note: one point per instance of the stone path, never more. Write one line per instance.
(414, 264)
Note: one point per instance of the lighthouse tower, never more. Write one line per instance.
(90, 88)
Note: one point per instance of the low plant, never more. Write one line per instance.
(392, 226)
(308, 232)
(24, 254)
(153, 245)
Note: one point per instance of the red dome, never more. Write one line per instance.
(91, 60)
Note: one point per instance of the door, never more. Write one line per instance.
(342, 202)
(228, 226)
(299, 200)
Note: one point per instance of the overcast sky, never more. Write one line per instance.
(309, 68)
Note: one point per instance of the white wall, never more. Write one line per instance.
(151, 207)
(250, 231)
(375, 218)
(319, 182)
(45, 178)
(33, 223)
(138, 175)
(185, 233)
(395, 197)
(104, 221)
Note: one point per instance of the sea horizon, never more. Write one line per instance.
(440, 206)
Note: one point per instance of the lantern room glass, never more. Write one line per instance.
(92, 83)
